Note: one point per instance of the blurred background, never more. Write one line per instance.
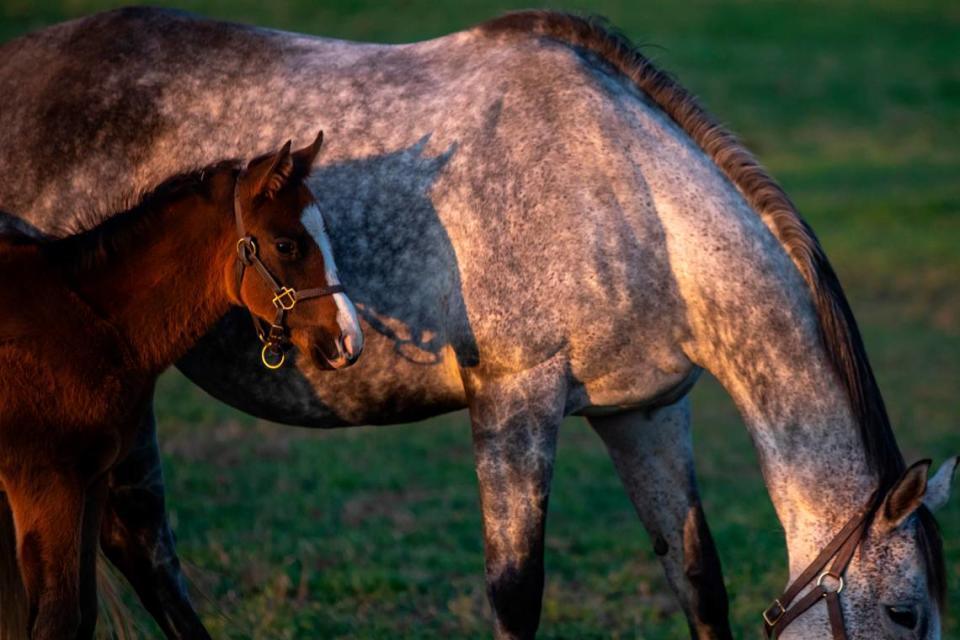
(375, 532)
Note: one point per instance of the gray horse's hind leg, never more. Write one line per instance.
(136, 537)
(653, 455)
(515, 422)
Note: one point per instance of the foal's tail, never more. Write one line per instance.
(13, 599)
(114, 615)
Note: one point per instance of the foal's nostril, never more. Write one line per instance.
(903, 616)
(348, 347)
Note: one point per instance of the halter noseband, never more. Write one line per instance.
(274, 338)
(829, 582)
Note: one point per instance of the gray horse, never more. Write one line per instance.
(534, 223)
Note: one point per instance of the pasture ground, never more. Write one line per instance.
(375, 532)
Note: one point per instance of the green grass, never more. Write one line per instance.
(855, 106)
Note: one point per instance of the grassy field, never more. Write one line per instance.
(854, 106)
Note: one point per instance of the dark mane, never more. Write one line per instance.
(93, 238)
(838, 328)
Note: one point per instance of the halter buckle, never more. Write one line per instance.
(277, 334)
(828, 574)
(772, 617)
(285, 299)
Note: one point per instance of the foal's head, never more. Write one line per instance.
(287, 236)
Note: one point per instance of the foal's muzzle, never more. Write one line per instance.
(346, 351)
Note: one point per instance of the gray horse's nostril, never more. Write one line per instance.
(903, 616)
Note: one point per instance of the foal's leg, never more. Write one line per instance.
(90, 542)
(653, 455)
(515, 421)
(48, 515)
(136, 538)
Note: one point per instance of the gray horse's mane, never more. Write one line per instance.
(838, 328)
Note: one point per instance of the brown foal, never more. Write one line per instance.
(91, 320)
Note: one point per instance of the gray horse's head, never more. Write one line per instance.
(893, 587)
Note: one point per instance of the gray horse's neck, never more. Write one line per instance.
(809, 445)
(750, 320)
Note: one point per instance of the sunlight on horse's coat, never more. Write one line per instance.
(535, 212)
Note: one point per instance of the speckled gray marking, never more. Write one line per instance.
(523, 231)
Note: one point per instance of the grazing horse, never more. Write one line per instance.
(92, 319)
(534, 223)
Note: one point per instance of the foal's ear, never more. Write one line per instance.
(303, 158)
(938, 488)
(268, 174)
(905, 497)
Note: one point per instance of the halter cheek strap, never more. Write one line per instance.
(829, 582)
(274, 336)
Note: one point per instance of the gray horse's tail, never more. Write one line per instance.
(114, 615)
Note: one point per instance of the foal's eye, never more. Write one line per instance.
(286, 248)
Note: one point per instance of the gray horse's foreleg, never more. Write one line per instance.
(136, 537)
(653, 454)
(515, 423)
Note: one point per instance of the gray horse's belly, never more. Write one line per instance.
(630, 397)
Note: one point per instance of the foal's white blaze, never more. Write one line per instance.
(312, 221)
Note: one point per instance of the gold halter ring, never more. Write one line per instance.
(272, 349)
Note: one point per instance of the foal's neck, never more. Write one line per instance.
(162, 285)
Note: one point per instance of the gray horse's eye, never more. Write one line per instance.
(903, 616)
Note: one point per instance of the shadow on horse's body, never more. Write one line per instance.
(414, 336)
(89, 323)
(537, 223)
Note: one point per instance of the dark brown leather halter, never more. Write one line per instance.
(274, 338)
(829, 582)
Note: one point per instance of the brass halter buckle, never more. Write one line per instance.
(773, 613)
(285, 299)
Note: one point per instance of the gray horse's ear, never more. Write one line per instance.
(905, 497)
(938, 487)
(303, 158)
(268, 174)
